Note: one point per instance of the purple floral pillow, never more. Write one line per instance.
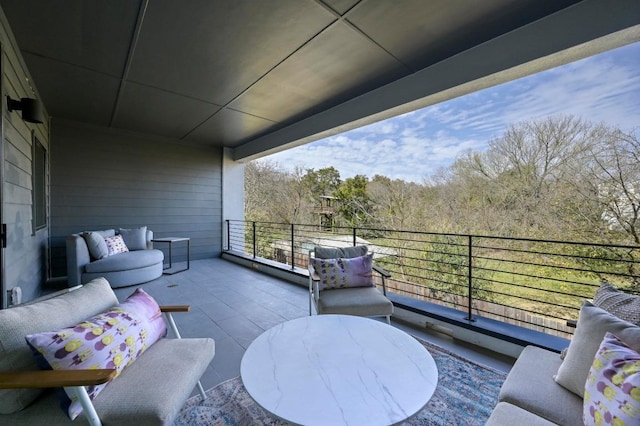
(612, 391)
(113, 339)
(343, 273)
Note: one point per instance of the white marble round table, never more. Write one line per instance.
(339, 370)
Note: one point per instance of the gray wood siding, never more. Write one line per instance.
(26, 255)
(104, 178)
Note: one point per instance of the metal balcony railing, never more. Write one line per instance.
(536, 284)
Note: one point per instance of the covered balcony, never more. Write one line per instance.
(148, 111)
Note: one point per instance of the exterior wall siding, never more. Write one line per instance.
(103, 178)
(26, 256)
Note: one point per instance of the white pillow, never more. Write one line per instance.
(593, 324)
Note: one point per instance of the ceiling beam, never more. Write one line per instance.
(127, 66)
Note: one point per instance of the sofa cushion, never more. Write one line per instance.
(113, 339)
(505, 414)
(593, 324)
(126, 261)
(106, 233)
(48, 315)
(96, 244)
(530, 386)
(623, 305)
(135, 239)
(116, 245)
(336, 252)
(612, 390)
(344, 272)
(181, 362)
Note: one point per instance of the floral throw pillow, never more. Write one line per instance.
(343, 273)
(116, 245)
(113, 339)
(612, 391)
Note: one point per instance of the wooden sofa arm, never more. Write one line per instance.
(168, 310)
(314, 276)
(55, 378)
(175, 308)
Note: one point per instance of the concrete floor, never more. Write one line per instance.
(234, 305)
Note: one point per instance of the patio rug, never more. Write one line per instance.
(465, 395)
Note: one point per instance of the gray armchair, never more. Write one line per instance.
(359, 301)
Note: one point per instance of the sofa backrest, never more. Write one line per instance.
(48, 315)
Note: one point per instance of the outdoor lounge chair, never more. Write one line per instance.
(149, 391)
(365, 301)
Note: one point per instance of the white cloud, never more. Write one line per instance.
(604, 88)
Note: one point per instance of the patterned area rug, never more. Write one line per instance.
(465, 395)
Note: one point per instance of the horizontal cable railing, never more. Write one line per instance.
(537, 284)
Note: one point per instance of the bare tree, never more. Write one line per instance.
(614, 177)
(520, 185)
(396, 203)
(274, 195)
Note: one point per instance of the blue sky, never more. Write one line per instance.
(603, 88)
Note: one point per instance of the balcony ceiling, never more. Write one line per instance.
(232, 72)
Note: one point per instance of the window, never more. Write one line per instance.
(39, 180)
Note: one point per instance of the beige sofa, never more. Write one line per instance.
(530, 396)
(150, 391)
(546, 388)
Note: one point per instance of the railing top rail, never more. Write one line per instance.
(448, 234)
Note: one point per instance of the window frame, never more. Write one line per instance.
(39, 169)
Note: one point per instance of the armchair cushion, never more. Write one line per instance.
(136, 238)
(337, 252)
(52, 314)
(344, 272)
(113, 339)
(363, 301)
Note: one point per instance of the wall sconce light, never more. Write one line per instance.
(31, 109)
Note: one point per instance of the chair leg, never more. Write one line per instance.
(174, 328)
(172, 325)
(389, 319)
(201, 391)
(87, 406)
